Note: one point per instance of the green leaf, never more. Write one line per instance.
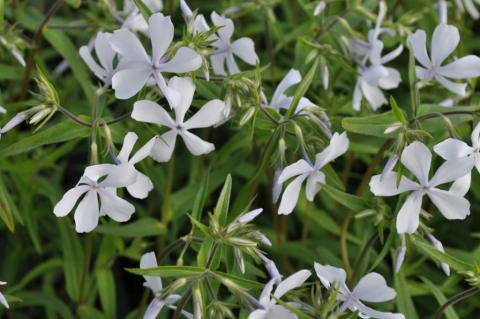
(397, 111)
(201, 197)
(302, 88)
(74, 3)
(141, 228)
(62, 132)
(72, 258)
(10, 72)
(245, 283)
(45, 299)
(432, 252)
(221, 209)
(106, 289)
(350, 201)
(7, 207)
(169, 271)
(450, 313)
(404, 301)
(143, 8)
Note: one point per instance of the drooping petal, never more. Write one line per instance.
(457, 88)
(338, 146)
(69, 199)
(150, 112)
(185, 60)
(452, 170)
(128, 143)
(186, 88)
(266, 292)
(444, 41)
(293, 77)
(231, 64)
(115, 207)
(226, 26)
(295, 169)
(104, 50)
(417, 158)
(387, 185)
(462, 185)
(391, 81)
(87, 213)
(163, 147)
(408, 217)
(244, 48)
(450, 205)
(464, 68)
(128, 82)
(91, 63)
(452, 148)
(292, 282)
(195, 144)
(141, 187)
(128, 46)
(373, 95)
(392, 55)
(314, 183)
(210, 114)
(161, 35)
(418, 43)
(373, 288)
(290, 195)
(149, 260)
(218, 63)
(329, 275)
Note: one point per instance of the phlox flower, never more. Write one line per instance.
(444, 41)
(303, 170)
(131, 17)
(105, 54)
(270, 308)
(243, 48)
(137, 66)
(3, 300)
(150, 112)
(100, 196)
(469, 6)
(371, 288)
(417, 158)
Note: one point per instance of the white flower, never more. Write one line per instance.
(444, 41)
(3, 300)
(302, 170)
(150, 112)
(270, 308)
(14, 121)
(100, 197)
(438, 246)
(244, 48)
(105, 54)
(371, 288)
(2, 110)
(452, 149)
(154, 283)
(417, 158)
(134, 19)
(280, 100)
(138, 66)
(469, 6)
(143, 185)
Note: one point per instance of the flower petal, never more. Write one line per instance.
(120, 175)
(185, 60)
(293, 77)
(128, 143)
(149, 260)
(462, 185)
(314, 183)
(391, 81)
(143, 152)
(297, 168)
(150, 112)
(463, 68)
(69, 199)
(154, 309)
(141, 187)
(87, 213)
(450, 205)
(452, 170)
(91, 63)
(226, 26)
(279, 312)
(452, 148)
(367, 312)
(417, 158)
(290, 195)
(338, 146)
(128, 82)
(161, 35)
(476, 136)
(3, 301)
(128, 46)
(373, 288)
(218, 63)
(444, 41)
(373, 95)
(457, 88)
(163, 147)
(386, 185)
(329, 275)
(210, 114)
(244, 48)
(292, 282)
(186, 87)
(408, 217)
(115, 207)
(104, 50)
(418, 43)
(195, 144)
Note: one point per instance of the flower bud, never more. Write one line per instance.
(186, 11)
(400, 255)
(319, 8)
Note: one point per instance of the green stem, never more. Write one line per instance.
(363, 254)
(86, 266)
(457, 298)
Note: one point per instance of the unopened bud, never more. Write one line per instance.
(319, 8)
(186, 11)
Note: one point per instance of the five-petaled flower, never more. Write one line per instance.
(444, 41)
(417, 158)
(270, 309)
(302, 170)
(371, 288)
(137, 66)
(150, 112)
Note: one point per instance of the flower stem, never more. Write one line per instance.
(86, 266)
(457, 298)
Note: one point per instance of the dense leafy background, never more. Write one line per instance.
(42, 257)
